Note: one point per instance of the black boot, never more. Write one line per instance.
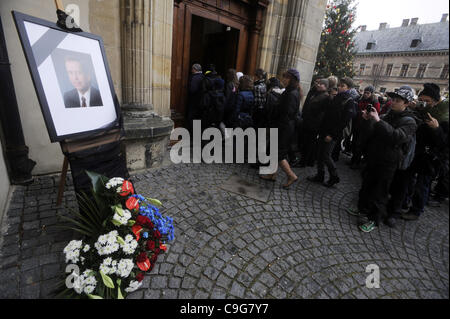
(334, 179)
(318, 178)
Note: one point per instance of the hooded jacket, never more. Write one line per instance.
(390, 139)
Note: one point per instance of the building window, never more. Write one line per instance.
(362, 67)
(415, 43)
(370, 45)
(382, 90)
(444, 73)
(389, 69)
(375, 69)
(421, 71)
(404, 70)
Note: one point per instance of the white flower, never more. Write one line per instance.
(72, 251)
(86, 282)
(113, 182)
(123, 220)
(134, 285)
(108, 266)
(124, 267)
(86, 248)
(130, 245)
(107, 244)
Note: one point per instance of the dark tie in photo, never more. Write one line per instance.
(83, 100)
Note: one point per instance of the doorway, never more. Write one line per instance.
(213, 43)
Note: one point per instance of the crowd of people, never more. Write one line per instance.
(399, 140)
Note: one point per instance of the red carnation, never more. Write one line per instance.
(140, 276)
(157, 234)
(151, 245)
(127, 189)
(132, 203)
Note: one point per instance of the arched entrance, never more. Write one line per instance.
(222, 32)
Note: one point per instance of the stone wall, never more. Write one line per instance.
(291, 37)
(4, 185)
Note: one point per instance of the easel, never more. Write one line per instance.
(72, 146)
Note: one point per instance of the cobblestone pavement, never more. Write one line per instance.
(300, 244)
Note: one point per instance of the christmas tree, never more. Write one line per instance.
(337, 48)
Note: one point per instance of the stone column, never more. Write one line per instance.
(146, 132)
(136, 41)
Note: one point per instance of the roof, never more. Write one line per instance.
(434, 36)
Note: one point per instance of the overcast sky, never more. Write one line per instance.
(372, 13)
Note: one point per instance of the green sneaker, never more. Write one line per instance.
(368, 227)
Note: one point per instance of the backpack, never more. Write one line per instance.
(214, 111)
(408, 152)
(271, 107)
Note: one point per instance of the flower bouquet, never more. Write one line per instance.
(123, 234)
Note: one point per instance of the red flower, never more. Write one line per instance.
(151, 245)
(127, 189)
(157, 234)
(136, 229)
(144, 221)
(132, 203)
(140, 276)
(163, 247)
(143, 262)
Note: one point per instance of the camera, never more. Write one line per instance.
(370, 108)
(422, 111)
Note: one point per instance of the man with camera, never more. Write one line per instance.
(431, 156)
(385, 153)
(359, 130)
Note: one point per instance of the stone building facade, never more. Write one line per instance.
(149, 52)
(412, 54)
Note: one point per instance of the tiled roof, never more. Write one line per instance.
(434, 36)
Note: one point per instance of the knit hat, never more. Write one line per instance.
(370, 89)
(405, 92)
(294, 73)
(432, 90)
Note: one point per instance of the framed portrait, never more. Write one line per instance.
(71, 77)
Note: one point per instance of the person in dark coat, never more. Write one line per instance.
(387, 146)
(336, 117)
(260, 93)
(193, 109)
(312, 115)
(285, 122)
(359, 138)
(431, 148)
(245, 102)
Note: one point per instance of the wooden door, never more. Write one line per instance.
(237, 14)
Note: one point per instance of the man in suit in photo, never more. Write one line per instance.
(83, 94)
